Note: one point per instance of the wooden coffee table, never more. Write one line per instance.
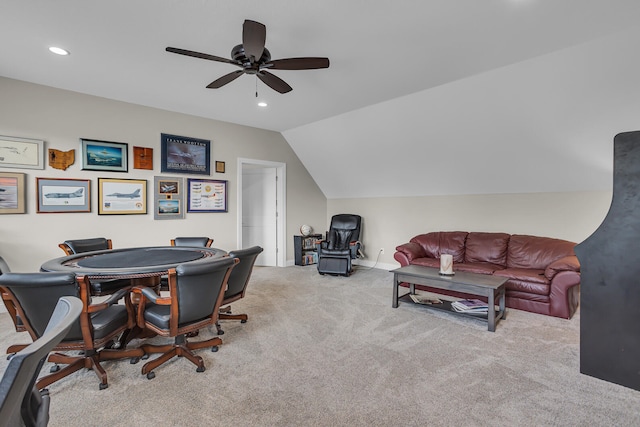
(485, 285)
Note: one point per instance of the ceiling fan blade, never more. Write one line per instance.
(297, 64)
(254, 35)
(274, 82)
(227, 78)
(201, 55)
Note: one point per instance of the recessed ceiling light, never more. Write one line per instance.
(58, 50)
(262, 104)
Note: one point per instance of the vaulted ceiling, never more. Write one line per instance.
(455, 97)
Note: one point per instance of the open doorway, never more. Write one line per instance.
(262, 209)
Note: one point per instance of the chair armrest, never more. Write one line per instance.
(113, 299)
(151, 295)
(568, 263)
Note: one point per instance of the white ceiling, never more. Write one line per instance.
(380, 52)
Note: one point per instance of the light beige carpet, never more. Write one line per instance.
(330, 351)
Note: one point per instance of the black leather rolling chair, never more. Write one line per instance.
(35, 296)
(195, 296)
(340, 246)
(196, 242)
(237, 283)
(21, 403)
(78, 246)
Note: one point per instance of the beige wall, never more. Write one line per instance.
(389, 222)
(61, 117)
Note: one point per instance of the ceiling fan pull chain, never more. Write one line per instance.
(256, 85)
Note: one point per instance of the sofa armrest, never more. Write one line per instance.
(568, 263)
(407, 252)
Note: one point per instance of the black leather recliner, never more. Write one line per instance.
(340, 246)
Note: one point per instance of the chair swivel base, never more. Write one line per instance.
(180, 348)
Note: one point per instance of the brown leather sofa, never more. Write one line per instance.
(543, 273)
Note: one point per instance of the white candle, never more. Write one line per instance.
(446, 264)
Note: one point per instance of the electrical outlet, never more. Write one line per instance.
(382, 250)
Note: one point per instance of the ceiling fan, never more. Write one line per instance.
(253, 58)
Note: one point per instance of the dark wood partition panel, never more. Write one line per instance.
(610, 277)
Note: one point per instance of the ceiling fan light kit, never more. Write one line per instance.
(254, 58)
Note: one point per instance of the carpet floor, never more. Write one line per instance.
(330, 351)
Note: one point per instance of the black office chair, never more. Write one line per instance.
(21, 403)
(196, 242)
(71, 247)
(195, 296)
(237, 283)
(100, 327)
(79, 246)
(340, 246)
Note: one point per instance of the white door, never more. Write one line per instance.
(259, 207)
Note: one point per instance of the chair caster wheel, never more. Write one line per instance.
(102, 386)
(214, 348)
(220, 332)
(243, 321)
(151, 375)
(134, 360)
(54, 368)
(200, 369)
(145, 357)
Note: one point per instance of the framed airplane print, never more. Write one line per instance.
(168, 197)
(56, 195)
(21, 153)
(122, 196)
(104, 155)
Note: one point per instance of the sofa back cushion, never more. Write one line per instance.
(443, 242)
(487, 247)
(536, 252)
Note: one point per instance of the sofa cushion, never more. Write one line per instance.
(426, 262)
(452, 242)
(536, 252)
(430, 243)
(525, 280)
(487, 247)
(477, 267)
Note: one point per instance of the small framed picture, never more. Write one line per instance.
(21, 153)
(181, 154)
(122, 196)
(12, 193)
(168, 197)
(219, 167)
(56, 195)
(206, 195)
(104, 155)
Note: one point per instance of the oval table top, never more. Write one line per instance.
(130, 261)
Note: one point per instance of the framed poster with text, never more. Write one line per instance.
(206, 195)
(181, 154)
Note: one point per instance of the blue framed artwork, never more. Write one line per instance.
(181, 154)
(104, 155)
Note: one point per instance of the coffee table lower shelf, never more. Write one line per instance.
(446, 306)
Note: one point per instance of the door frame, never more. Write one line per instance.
(281, 207)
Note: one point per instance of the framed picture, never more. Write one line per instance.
(21, 153)
(206, 195)
(181, 154)
(219, 167)
(143, 158)
(122, 196)
(168, 197)
(12, 193)
(104, 155)
(55, 195)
